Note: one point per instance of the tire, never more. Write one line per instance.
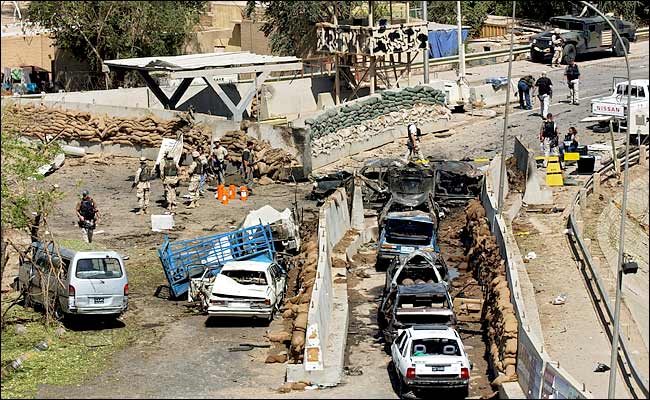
(464, 392)
(618, 49)
(58, 315)
(536, 56)
(569, 53)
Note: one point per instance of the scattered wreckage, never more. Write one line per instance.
(417, 266)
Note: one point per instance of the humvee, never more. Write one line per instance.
(582, 35)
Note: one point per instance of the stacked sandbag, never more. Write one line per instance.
(295, 308)
(489, 269)
(274, 164)
(361, 120)
(147, 131)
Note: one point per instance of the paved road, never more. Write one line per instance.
(478, 137)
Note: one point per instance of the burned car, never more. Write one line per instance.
(418, 266)
(325, 185)
(404, 233)
(456, 182)
(414, 305)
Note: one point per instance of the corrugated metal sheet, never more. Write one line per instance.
(198, 61)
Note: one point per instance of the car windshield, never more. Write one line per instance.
(402, 231)
(570, 25)
(246, 277)
(435, 347)
(425, 273)
(98, 268)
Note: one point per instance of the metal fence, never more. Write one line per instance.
(595, 283)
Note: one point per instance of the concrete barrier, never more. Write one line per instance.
(533, 193)
(487, 96)
(537, 373)
(327, 320)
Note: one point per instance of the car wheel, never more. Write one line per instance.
(569, 52)
(58, 312)
(536, 56)
(618, 49)
(464, 392)
(600, 128)
(403, 389)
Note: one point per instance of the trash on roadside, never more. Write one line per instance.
(601, 368)
(559, 300)
(286, 235)
(531, 255)
(161, 223)
(352, 371)
(56, 163)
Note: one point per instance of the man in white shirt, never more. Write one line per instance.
(218, 162)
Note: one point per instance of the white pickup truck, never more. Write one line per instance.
(615, 105)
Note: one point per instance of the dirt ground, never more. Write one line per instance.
(168, 338)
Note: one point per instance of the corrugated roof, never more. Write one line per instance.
(199, 61)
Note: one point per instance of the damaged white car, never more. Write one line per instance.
(251, 288)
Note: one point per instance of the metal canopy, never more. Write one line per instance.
(188, 67)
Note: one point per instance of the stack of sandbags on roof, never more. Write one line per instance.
(47, 123)
(274, 164)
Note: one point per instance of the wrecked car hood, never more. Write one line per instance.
(226, 286)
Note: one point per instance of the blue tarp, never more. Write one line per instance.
(444, 43)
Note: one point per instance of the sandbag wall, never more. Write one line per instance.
(489, 269)
(289, 339)
(359, 120)
(43, 122)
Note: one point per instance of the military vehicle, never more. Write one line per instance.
(582, 35)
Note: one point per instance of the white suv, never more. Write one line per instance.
(430, 356)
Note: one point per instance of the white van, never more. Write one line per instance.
(80, 282)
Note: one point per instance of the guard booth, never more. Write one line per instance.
(368, 53)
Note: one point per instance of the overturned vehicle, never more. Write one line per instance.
(419, 304)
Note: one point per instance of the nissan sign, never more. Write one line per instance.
(616, 110)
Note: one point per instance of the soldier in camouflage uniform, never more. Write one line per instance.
(169, 175)
(196, 170)
(142, 178)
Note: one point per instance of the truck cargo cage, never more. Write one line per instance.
(186, 259)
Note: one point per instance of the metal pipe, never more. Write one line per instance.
(425, 55)
(502, 171)
(461, 49)
(621, 246)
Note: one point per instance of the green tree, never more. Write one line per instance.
(22, 198)
(291, 25)
(100, 30)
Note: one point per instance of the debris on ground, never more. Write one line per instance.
(600, 367)
(273, 164)
(531, 256)
(559, 300)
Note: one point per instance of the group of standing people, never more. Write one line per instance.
(199, 170)
(544, 88)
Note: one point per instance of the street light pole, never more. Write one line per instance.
(425, 55)
(611, 391)
(461, 50)
(502, 170)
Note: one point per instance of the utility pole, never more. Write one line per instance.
(502, 170)
(425, 55)
(611, 391)
(461, 53)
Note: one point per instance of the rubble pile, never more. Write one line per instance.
(274, 164)
(291, 336)
(51, 123)
(488, 267)
(358, 121)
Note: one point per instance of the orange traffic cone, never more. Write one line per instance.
(220, 190)
(224, 198)
(243, 193)
(233, 192)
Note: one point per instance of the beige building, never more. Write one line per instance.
(224, 28)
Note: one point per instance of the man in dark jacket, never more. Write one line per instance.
(544, 93)
(572, 74)
(525, 84)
